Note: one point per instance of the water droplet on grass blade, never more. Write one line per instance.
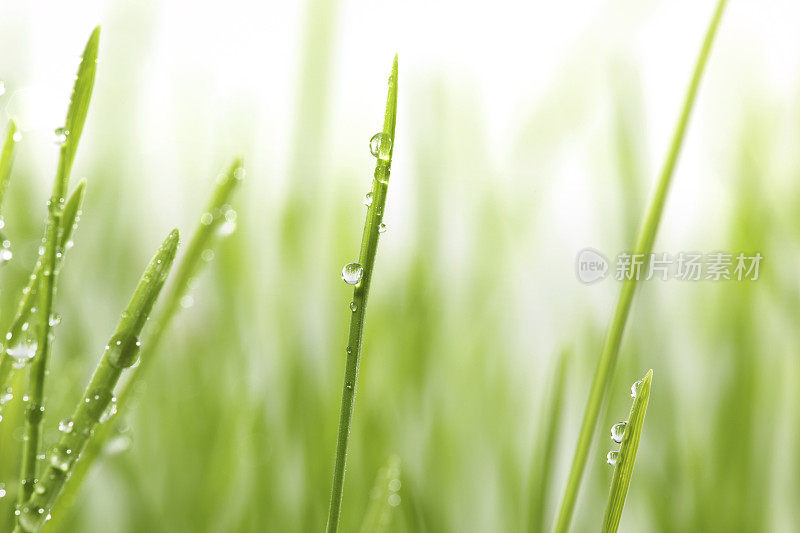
(65, 426)
(353, 307)
(23, 350)
(367, 201)
(110, 411)
(55, 319)
(60, 136)
(612, 457)
(618, 431)
(382, 228)
(380, 145)
(17, 137)
(352, 273)
(206, 218)
(635, 388)
(124, 350)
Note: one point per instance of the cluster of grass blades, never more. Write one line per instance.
(29, 338)
(644, 246)
(359, 274)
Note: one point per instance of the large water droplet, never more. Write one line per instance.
(123, 350)
(380, 145)
(611, 457)
(635, 388)
(23, 350)
(618, 431)
(65, 426)
(60, 135)
(352, 273)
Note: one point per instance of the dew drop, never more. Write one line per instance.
(206, 218)
(635, 388)
(380, 145)
(124, 350)
(65, 426)
(2, 491)
(394, 499)
(207, 255)
(229, 226)
(367, 201)
(187, 301)
(382, 228)
(611, 457)
(23, 350)
(618, 431)
(17, 137)
(55, 319)
(353, 307)
(352, 273)
(60, 136)
(110, 411)
(6, 397)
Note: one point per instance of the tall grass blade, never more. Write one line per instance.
(383, 498)
(7, 159)
(383, 149)
(626, 457)
(545, 452)
(14, 336)
(120, 353)
(212, 221)
(644, 246)
(73, 127)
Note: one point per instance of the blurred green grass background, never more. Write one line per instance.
(474, 294)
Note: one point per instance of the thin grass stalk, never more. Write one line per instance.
(7, 159)
(73, 127)
(120, 353)
(358, 306)
(626, 456)
(545, 452)
(30, 292)
(212, 221)
(644, 245)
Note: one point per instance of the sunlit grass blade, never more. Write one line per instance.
(383, 498)
(14, 340)
(7, 159)
(382, 146)
(644, 246)
(545, 451)
(626, 456)
(212, 223)
(73, 127)
(122, 351)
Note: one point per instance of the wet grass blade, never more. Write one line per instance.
(212, 221)
(14, 336)
(383, 498)
(644, 245)
(7, 159)
(73, 127)
(626, 456)
(544, 455)
(361, 275)
(120, 353)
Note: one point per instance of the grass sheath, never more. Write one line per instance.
(383, 150)
(212, 221)
(121, 352)
(644, 245)
(73, 127)
(14, 336)
(626, 457)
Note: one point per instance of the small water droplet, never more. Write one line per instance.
(611, 457)
(352, 273)
(6, 397)
(367, 201)
(65, 426)
(110, 411)
(206, 218)
(17, 137)
(382, 228)
(635, 388)
(239, 173)
(207, 255)
(23, 350)
(353, 307)
(618, 431)
(187, 301)
(55, 319)
(60, 136)
(380, 145)
(394, 499)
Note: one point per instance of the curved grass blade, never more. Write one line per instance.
(73, 127)
(7, 159)
(211, 222)
(644, 245)
(369, 247)
(545, 452)
(623, 470)
(14, 336)
(120, 353)
(383, 498)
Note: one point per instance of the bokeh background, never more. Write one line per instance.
(526, 132)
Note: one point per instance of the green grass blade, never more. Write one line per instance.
(14, 337)
(211, 222)
(383, 498)
(76, 116)
(623, 470)
(644, 245)
(7, 159)
(369, 247)
(121, 352)
(545, 452)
